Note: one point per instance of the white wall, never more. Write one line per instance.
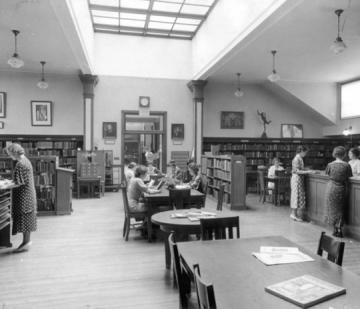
(114, 94)
(136, 56)
(220, 97)
(64, 91)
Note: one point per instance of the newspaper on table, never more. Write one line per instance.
(194, 215)
(281, 255)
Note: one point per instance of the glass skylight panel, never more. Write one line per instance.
(164, 19)
(105, 2)
(176, 35)
(172, 1)
(101, 13)
(157, 25)
(135, 4)
(132, 16)
(132, 23)
(131, 31)
(166, 7)
(194, 9)
(106, 21)
(157, 33)
(200, 2)
(188, 21)
(107, 30)
(181, 27)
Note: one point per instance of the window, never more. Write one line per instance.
(350, 94)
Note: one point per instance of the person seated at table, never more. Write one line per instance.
(354, 154)
(186, 177)
(129, 172)
(196, 181)
(175, 174)
(137, 188)
(272, 172)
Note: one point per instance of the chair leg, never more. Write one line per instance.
(127, 229)
(124, 228)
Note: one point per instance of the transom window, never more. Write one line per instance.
(179, 19)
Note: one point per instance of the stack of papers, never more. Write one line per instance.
(4, 183)
(281, 255)
(194, 215)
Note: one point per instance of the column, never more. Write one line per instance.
(197, 88)
(89, 82)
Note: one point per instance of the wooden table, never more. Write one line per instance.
(181, 226)
(275, 180)
(92, 185)
(239, 278)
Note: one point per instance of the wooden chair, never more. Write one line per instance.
(205, 292)
(219, 228)
(334, 248)
(182, 280)
(129, 214)
(220, 197)
(283, 188)
(179, 198)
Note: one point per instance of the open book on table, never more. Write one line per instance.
(281, 255)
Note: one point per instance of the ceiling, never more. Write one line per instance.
(302, 37)
(41, 37)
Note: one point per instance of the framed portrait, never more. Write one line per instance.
(177, 131)
(2, 104)
(109, 130)
(232, 120)
(292, 131)
(41, 113)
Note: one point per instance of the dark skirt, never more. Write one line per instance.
(24, 222)
(335, 197)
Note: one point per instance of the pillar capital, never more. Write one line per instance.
(89, 82)
(197, 88)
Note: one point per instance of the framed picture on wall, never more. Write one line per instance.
(177, 131)
(2, 104)
(292, 131)
(232, 120)
(109, 130)
(41, 113)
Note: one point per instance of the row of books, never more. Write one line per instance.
(222, 174)
(223, 164)
(45, 193)
(44, 179)
(44, 166)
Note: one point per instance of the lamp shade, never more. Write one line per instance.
(15, 62)
(338, 46)
(238, 93)
(273, 77)
(42, 84)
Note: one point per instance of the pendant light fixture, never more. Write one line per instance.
(238, 93)
(274, 76)
(42, 84)
(347, 131)
(338, 46)
(15, 61)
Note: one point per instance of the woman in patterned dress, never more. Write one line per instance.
(24, 196)
(339, 172)
(297, 199)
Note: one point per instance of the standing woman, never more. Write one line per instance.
(339, 172)
(24, 196)
(354, 154)
(298, 200)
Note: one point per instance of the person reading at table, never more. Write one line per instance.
(129, 172)
(196, 181)
(175, 174)
(137, 188)
(186, 177)
(272, 171)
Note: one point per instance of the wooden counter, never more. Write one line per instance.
(316, 207)
(5, 215)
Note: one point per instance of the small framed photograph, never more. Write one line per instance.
(109, 130)
(41, 113)
(177, 131)
(232, 120)
(2, 104)
(292, 131)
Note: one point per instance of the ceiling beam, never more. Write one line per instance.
(148, 16)
(141, 34)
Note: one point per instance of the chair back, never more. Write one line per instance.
(280, 173)
(261, 180)
(334, 248)
(220, 197)
(179, 198)
(205, 292)
(219, 228)
(123, 188)
(182, 282)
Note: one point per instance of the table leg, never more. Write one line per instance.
(149, 228)
(167, 251)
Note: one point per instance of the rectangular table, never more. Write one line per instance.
(239, 278)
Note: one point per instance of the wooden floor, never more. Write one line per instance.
(82, 261)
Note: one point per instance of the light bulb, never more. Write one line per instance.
(338, 46)
(15, 62)
(238, 93)
(274, 77)
(42, 84)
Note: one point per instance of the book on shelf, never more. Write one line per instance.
(305, 291)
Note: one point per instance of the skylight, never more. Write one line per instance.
(179, 19)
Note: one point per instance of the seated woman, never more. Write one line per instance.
(272, 171)
(175, 173)
(196, 181)
(354, 154)
(136, 188)
(186, 177)
(129, 172)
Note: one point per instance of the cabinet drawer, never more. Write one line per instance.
(4, 224)
(4, 204)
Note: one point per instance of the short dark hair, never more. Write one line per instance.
(140, 170)
(131, 165)
(355, 151)
(194, 167)
(190, 161)
(276, 159)
(302, 148)
(339, 152)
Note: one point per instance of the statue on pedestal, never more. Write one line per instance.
(265, 122)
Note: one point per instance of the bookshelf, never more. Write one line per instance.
(230, 170)
(5, 217)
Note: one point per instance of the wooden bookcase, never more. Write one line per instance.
(230, 170)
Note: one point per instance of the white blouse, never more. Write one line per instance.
(355, 167)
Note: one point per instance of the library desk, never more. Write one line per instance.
(316, 205)
(182, 227)
(239, 279)
(92, 186)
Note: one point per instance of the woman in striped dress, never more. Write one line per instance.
(298, 199)
(24, 196)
